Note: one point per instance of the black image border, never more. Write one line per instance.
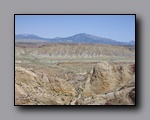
(106, 106)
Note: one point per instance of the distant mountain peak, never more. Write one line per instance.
(80, 34)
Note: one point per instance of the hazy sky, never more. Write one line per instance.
(117, 27)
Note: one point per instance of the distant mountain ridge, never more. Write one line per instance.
(78, 38)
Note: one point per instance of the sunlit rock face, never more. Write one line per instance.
(110, 84)
(109, 77)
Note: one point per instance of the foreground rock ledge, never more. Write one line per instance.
(106, 84)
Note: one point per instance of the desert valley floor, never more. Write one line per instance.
(74, 74)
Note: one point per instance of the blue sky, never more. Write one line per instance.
(117, 27)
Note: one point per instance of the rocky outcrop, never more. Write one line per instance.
(106, 84)
(38, 88)
(110, 84)
(112, 98)
(109, 77)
